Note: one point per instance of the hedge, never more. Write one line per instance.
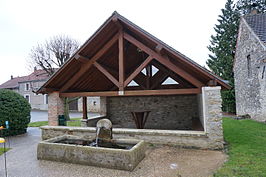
(15, 109)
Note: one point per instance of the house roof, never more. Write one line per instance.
(37, 75)
(257, 22)
(92, 80)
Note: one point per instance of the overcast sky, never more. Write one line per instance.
(185, 25)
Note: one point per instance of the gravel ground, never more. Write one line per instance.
(159, 162)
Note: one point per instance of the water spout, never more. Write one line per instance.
(97, 136)
(103, 132)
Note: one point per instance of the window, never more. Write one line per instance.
(27, 87)
(27, 97)
(263, 71)
(249, 66)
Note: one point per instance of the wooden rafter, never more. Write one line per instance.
(172, 75)
(135, 92)
(164, 61)
(109, 69)
(138, 70)
(106, 73)
(87, 65)
(81, 58)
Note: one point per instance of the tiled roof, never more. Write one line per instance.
(258, 24)
(35, 76)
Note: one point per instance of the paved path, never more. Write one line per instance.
(159, 162)
(43, 115)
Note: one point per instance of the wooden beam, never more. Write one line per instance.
(136, 92)
(158, 78)
(181, 57)
(81, 58)
(87, 65)
(212, 83)
(109, 69)
(148, 76)
(138, 70)
(121, 61)
(84, 107)
(172, 75)
(159, 49)
(106, 73)
(178, 70)
(140, 78)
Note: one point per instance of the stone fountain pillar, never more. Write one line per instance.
(104, 129)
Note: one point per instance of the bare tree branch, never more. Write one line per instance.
(53, 53)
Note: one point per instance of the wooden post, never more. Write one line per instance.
(84, 108)
(121, 61)
(148, 76)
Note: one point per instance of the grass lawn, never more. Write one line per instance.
(75, 122)
(2, 150)
(246, 148)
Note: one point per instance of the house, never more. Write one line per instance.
(149, 90)
(25, 86)
(250, 67)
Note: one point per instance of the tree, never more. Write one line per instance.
(246, 6)
(52, 55)
(222, 48)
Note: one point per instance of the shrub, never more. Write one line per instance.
(15, 109)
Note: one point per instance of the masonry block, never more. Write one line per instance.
(55, 108)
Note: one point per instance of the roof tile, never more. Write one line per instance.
(258, 24)
(14, 83)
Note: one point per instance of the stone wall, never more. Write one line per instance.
(200, 109)
(212, 112)
(250, 86)
(196, 139)
(167, 112)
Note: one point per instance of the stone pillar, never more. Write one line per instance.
(55, 108)
(212, 112)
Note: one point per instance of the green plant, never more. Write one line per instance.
(74, 122)
(246, 148)
(16, 110)
(2, 150)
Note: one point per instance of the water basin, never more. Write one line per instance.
(123, 154)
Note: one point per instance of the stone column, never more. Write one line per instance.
(212, 112)
(55, 108)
